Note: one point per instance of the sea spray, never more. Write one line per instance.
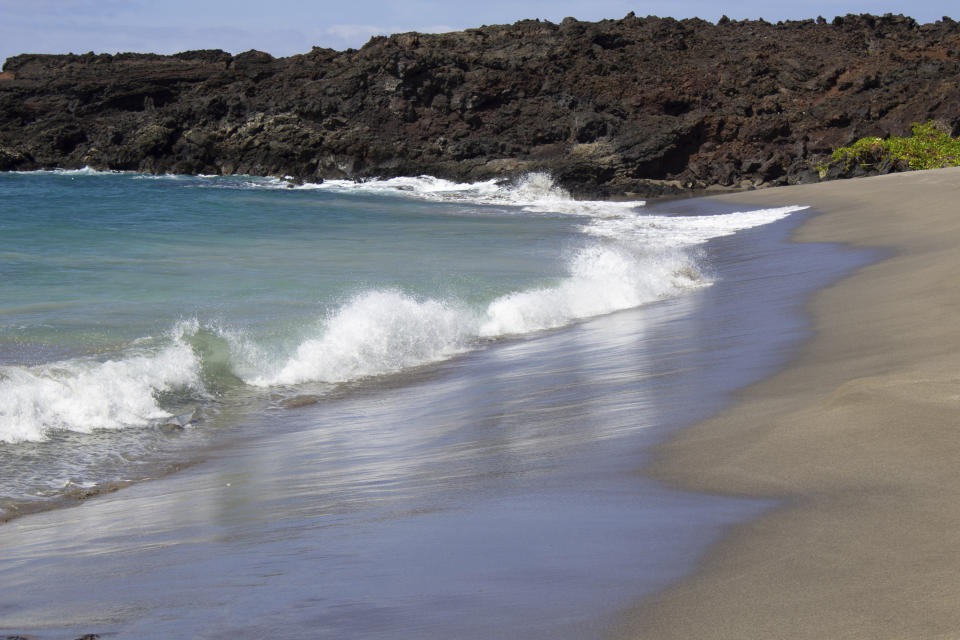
(602, 279)
(682, 231)
(83, 395)
(531, 193)
(375, 333)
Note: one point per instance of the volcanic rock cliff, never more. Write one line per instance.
(638, 105)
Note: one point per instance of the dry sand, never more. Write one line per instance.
(860, 436)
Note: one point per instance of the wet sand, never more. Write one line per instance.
(860, 437)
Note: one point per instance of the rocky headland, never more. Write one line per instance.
(648, 106)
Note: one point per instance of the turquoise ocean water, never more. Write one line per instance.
(398, 409)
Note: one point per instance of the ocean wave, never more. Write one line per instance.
(684, 231)
(632, 260)
(533, 193)
(602, 279)
(85, 171)
(377, 332)
(628, 258)
(83, 395)
(384, 331)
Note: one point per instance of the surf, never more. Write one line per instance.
(621, 258)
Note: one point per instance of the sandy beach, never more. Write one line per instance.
(858, 436)
(498, 494)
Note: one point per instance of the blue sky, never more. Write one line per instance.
(284, 27)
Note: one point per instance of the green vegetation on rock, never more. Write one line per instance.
(930, 147)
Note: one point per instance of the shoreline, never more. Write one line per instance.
(529, 500)
(857, 436)
(73, 494)
(292, 182)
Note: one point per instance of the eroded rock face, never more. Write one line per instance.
(640, 105)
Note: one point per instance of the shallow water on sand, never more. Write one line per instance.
(492, 493)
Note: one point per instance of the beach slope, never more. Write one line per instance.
(860, 436)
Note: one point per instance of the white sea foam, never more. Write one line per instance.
(84, 395)
(683, 231)
(384, 331)
(634, 259)
(375, 333)
(533, 193)
(85, 171)
(602, 279)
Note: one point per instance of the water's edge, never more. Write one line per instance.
(497, 495)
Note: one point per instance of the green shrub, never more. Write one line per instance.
(930, 147)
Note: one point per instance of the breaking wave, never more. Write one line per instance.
(85, 395)
(628, 259)
(532, 193)
(85, 171)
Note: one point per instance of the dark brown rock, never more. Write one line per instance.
(641, 105)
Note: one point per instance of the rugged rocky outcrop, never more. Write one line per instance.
(638, 105)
